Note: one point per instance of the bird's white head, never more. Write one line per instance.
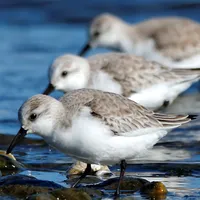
(41, 114)
(105, 31)
(68, 72)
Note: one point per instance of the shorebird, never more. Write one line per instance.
(146, 82)
(95, 127)
(173, 41)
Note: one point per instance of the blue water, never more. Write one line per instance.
(34, 32)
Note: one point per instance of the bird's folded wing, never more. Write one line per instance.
(135, 73)
(120, 114)
(178, 41)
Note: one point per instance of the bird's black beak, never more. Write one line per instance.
(86, 48)
(50, 88)
(17, 139)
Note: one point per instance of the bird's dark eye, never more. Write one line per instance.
(32, 117)
(64, 73)
(96, 33)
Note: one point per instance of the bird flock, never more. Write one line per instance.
(111, 111)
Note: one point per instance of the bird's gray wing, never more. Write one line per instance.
(178, 41)
(134, 73)
(120, 114)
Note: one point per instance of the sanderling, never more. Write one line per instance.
(146, 82)
(95, 127)
(172, 41)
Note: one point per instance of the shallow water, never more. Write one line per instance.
(33, 33)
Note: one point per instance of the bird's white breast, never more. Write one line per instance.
(154, 97)
(103, 81)
(90, 141)
(148, 50)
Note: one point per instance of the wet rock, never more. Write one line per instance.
(14, 179)
(22, 191)
(87, 180)
(22, 180)
(68, 193)
(171, 169)
(129, 184)
(155, 190)
(175, 169)
(23, 186)
(79, 167)
(42, 197)
(179, 171)
(2, 152)
(71, 193)
(94, 194)
(8, 164)
(47, 190)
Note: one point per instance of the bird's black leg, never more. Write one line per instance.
(85, 173)
(165, 104)
(122, 171)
